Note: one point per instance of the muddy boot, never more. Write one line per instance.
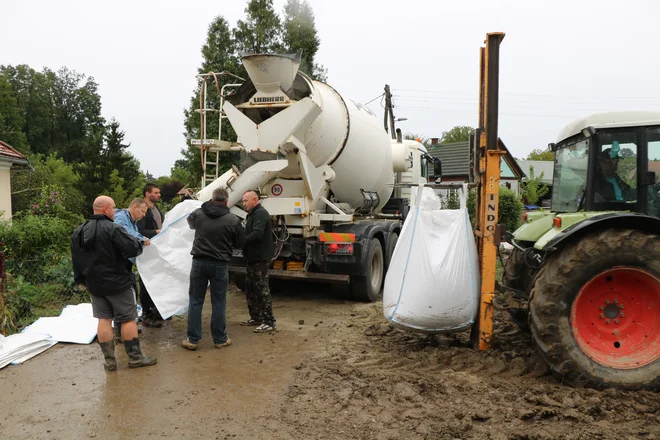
(135, 357)
(152, 321)
(108, 349)
(117, 331)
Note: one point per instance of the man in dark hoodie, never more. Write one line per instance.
(217, 233)
(100, 249)
(258, 251)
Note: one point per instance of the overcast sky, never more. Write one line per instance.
(559, 60)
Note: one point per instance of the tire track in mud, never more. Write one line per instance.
(374, 382)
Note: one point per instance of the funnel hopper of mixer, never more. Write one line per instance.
(271, 73)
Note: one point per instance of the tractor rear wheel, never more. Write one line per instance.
(595, 311)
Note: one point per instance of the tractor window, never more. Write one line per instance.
(615, 177)
(570, 176)
(653, 192)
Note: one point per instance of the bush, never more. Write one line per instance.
(509, 208)
(35, 245)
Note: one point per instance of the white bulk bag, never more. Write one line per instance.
(433, 282)
(164, 265)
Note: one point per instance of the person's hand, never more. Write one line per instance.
(157, 231)
(147, 242)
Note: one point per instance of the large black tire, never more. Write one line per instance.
(390, 244)
(560, 282)
(239, 280)
(367, 288)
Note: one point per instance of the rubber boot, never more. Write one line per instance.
(108, 349)
(117, 331)
(135, 357)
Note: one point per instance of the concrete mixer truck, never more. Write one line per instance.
(326, 170)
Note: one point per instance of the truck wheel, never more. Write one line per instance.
(367, 288)
(390, 244)
(239, 280)
(595, 311)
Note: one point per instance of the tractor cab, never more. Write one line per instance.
(608, 162)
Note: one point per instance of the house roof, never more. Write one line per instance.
(10, 154)
(540, 166)
(455, 159)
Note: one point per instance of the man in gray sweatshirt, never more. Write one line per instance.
(217, 233)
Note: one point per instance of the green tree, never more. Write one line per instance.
(116, 190)
(11, 118)
(261, 30)
(539, 154)
(218, 55)
(118, 158)
(627, 152)
(169, 187)
(299, 32)
(460, 133)
(531, 189)
(50, 171)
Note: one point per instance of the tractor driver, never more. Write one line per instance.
(609, 187)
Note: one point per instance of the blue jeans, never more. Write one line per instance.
(201, 273)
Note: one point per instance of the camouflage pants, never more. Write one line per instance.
(257, 292)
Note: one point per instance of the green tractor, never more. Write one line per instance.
(587, 273)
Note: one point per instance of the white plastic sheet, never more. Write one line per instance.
(433, 283)
(66, 329)
(164, 265)
(76, 325)
(20, 347)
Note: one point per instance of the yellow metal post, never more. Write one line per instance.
(489, 184)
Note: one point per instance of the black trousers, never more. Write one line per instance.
(148, 306)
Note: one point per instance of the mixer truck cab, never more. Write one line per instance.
(326, 170)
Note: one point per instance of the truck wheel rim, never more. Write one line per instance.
(376, 270)
(615, 318)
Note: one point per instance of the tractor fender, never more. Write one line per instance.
(612, 220)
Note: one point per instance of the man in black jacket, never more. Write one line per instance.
(100, 249)
(149, 226)
(217, 233)
(258, 251)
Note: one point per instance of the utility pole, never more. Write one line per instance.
(389, 112)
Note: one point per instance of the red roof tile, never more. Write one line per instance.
(7, 150)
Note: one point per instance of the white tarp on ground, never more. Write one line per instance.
(433, 283)
(75, 325)
(20, 347)
(164, 266)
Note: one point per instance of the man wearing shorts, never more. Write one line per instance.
(99, 250)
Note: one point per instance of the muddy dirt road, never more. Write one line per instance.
(342, 374)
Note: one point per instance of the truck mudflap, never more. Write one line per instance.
(295, 275)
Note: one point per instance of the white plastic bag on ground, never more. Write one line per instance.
(433, 283)
(164, 265)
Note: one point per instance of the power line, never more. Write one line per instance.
(553, 95)
(379, 96)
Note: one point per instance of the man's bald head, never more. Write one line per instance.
(104, 205)
(250, 200)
